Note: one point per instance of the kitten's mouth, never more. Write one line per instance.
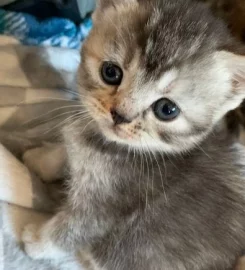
(115, 133)
(121, 133)
(111, 131)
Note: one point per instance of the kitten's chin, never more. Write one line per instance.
(118, 135)
(115, 134)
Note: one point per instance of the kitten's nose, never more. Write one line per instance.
(118, 118)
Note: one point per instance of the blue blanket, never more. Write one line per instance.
(55, 32)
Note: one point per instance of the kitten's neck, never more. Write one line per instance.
(103, 172)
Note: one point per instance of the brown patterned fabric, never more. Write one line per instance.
(233, 12)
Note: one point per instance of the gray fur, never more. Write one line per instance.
(180, 204)
(193, 218)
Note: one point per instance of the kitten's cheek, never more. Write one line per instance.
(108, 133)
(116, 133)
(122, 134)
(103, 118)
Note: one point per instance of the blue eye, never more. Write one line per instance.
(165, 110)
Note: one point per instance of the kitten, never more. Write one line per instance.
(153, 183)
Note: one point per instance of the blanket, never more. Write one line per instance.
(34, 101)
(58, 32)
(37, 96)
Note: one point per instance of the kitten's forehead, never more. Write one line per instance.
(179, 32)
(167, 33)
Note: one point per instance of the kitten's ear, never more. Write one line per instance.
(236, 73)
(236, 65)
(102, 5)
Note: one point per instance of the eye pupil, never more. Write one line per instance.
(165, 109)
(168, 109)
(111, 73)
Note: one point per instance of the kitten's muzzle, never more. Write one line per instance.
(119, 119)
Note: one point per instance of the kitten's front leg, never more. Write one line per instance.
(64, 234)
(49, 240)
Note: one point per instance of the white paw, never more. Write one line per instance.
(38, 245)
(33, 243)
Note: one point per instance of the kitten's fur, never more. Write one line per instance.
(151, 194)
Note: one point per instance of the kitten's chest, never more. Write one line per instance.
(117, 177)
(93, 172)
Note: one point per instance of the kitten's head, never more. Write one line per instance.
(155, 73)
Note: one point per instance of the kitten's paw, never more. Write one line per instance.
(38, 244)
(33, 244)
(47, 162)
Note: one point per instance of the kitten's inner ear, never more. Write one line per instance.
(236, 64)
(235, 73)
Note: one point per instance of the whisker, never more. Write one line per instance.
(142, 166)
(148, 178)
(153, 175)
(90, 122)
(205, 153)
(74, 93)
(65, 122)
(59, 115)
(41, 99)
(159, 168)
(128, 154)
(54, 110)
(118, 31)
(140, 173)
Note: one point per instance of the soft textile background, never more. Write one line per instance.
(31, 83)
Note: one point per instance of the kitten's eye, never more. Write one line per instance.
(111, 73)
(165, 109)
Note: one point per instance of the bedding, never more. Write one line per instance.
(34, 100)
